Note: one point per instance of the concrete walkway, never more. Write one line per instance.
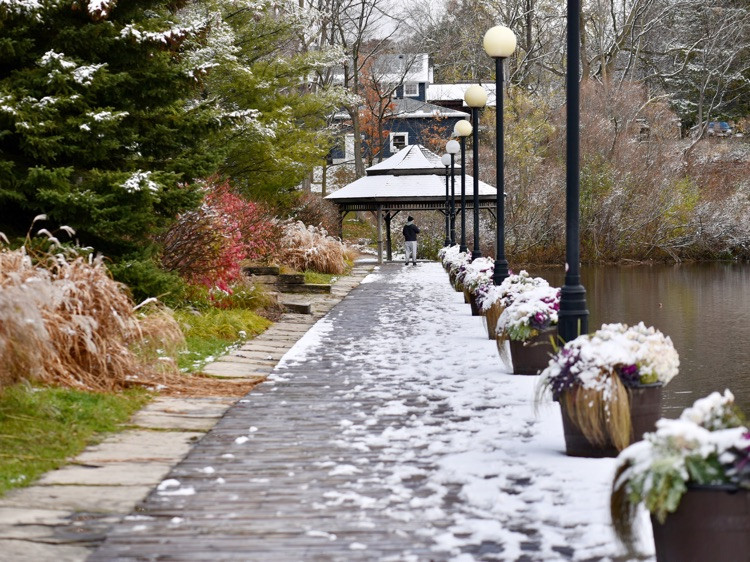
(389, 432)
(67, 513)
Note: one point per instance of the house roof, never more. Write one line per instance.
(402, 67)
(414, 178)
(447, 92)
(410, 108)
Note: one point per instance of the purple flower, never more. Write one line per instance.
(629, 374)
(565, 379)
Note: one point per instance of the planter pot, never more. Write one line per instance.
(711, 523)
(532, 356)
(452, 278)
(474, 306)
(645, 409)
(466, 295)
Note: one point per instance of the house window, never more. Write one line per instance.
(411, 90)
(399, 141)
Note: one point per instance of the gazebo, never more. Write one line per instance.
(413, 179)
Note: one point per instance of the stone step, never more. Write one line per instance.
(318, 288)
(298, 307)
(260, 270)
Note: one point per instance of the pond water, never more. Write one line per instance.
(704, 308)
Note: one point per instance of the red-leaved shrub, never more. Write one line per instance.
(207, 246)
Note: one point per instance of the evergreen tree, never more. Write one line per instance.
(99, 127)
(263, 85)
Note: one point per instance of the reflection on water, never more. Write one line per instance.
(704, 308)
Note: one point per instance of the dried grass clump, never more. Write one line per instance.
(64, 320)
(310, 247)
(492, 315)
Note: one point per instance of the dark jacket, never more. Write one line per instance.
(410, 232)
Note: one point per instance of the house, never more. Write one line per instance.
(410, 119)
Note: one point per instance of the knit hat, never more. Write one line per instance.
(409, 218)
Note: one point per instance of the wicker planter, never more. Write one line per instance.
(645, 409)
(711, 523)
(532, 356)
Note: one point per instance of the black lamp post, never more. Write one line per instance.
(499, 43)
(476, 98)
(452, 148)
(462, 129)
(445, 159)
(573, 316)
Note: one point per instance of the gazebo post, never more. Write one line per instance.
(380, 234)
(388, 253)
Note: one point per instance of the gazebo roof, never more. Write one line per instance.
(413, 178)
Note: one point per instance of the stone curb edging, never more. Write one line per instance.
(67, 513)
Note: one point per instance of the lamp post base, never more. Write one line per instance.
(475, 254)
(500, 272)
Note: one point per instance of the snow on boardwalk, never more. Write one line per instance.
(390, 431)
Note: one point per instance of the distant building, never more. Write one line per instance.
(412, 117)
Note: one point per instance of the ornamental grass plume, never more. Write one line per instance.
(310, 247)
(64, 320)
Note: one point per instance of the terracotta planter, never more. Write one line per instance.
(474, 306)
(532, 356)
(645, 409)
(711, 523)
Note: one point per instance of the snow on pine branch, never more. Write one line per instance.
(28, 7)
(168, 37)
(139, 180)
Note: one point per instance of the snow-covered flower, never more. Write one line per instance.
(637, 355)
(707, 445)
(531, 311)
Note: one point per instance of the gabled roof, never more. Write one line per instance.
(450, 92)
(402, 67)
(412, 175)
(409, 159)
(410, 108)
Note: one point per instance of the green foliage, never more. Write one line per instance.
(98, 130)
(145, 280)
(313, 277)
(42, 427)
(429, 245)
(280, 130)
(210, 333)
(359, 231)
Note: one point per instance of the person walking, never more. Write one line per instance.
(410, 235)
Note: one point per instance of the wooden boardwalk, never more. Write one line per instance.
(301, 468)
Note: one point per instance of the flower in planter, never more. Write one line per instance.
(531, 312)
(494, 298)
(590, 376)
(479, 272)
(707, 445)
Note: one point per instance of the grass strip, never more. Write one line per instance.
(42, 427)
(211, 333)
